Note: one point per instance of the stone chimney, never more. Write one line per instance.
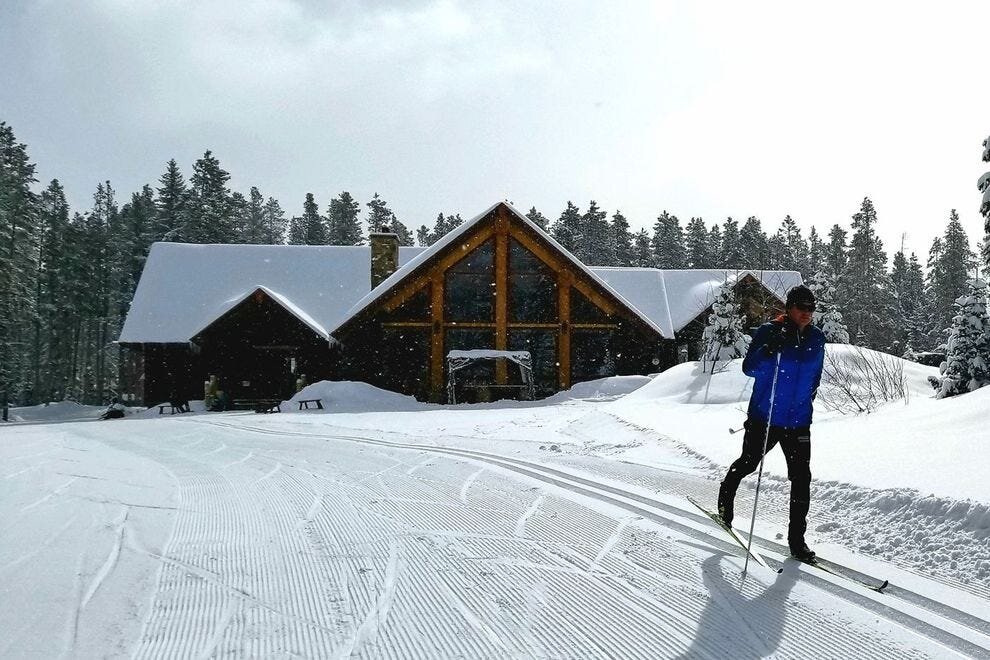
(384, 255)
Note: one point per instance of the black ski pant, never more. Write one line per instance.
(796, 444)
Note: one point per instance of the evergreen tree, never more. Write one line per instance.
(796, 253)
(697, 253)
(253, 230)
(567, 229)
(967, 360)
(755, 245)
(239, 209)
(827, 316)
(642, 251)
(984, 187)
(380, 217)
(732, 249)
(622, 240)
(210, 212)
(538, 218)
(865, 292)
(914, 305)
(950, 261)
(668, 242)
(275, 223)
(441, 228)
(723, 337)
(778, 254)
(314, 225)
(596, 247)
(345, 227)
(715, 246)
(816, 251)
(52, 320)
(171, 205)
(835, 256)
(297, 231)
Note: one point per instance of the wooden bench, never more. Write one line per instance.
(304, 403)
(172, 408)
(257, 405)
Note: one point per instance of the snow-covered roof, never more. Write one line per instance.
(186, 287)
(690, 292)
(454, 235)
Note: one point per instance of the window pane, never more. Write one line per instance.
(469, 286)
(584, 311)
(591, 355)
(478, 373)
(416, 308)
(542, 347)
(532, 287)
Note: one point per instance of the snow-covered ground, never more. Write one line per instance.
(382, 527)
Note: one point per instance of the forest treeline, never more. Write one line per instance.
(67, 276)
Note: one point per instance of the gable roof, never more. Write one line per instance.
(185, 287)
(465, 227)
(280, 300)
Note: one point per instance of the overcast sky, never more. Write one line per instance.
(700, 108)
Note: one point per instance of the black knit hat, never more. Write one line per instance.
(800, 294)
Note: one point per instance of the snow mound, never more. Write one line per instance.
(57, 411)
(354, 397)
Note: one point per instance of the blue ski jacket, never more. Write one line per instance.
(802, 356)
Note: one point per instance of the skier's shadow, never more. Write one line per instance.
(734, 625)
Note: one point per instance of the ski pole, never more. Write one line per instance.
(759, 477)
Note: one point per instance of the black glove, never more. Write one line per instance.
(785, 335)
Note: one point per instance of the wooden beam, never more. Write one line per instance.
(501, 292)
(436, 343)
(564, 280)
(407, 324)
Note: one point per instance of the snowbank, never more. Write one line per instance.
(917, 442)
(57, 411)
(358, 397)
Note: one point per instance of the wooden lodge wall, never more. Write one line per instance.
(500, 286)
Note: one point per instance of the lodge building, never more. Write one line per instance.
(258, 316)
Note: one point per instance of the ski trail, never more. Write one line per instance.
(467, 484)
(57, 491)
(314, 509)
(221, 627)
(616, 535)
(521, 523)
(377, 615)
(223, 445)
(462, 607)
(110, 562)
(241, 460)
(278, 466)
(422, 463)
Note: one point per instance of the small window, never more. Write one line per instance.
(542, 347)
(591, 355)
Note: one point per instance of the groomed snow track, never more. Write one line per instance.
(956, 629)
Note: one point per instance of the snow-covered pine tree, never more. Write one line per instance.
(697, 253)
(537, 217)
(297, 231)
(984, 187)
(253, 223)
(209, 217)
(723, 337)
(836, 255)
(53, 309)
(238, 217)
(668, 242)
(864, 291)
(778, 254)
(596, 247)
(754, 243)
(342, 216)
(949, 266)
(567, 229)
(314, 225)
(171, 204)
(622, 239)
(715, 245)
(642, 252)
(797, 248)
(967, 360)
(275, 223)
(816, 251)
(732, 251)
(827, 315)
(442, 226)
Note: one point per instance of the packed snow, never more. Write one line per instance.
(385, 527)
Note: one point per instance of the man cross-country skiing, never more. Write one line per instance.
(801, 349)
